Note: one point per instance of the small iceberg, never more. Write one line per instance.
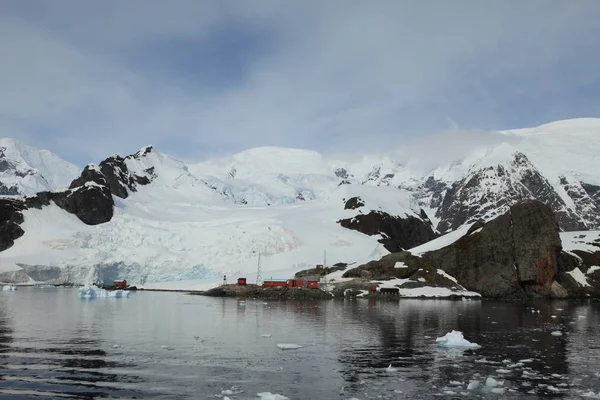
(556, 333)
(289, 346)
(91, 292)
(391, 369)
(456, 339)
(266, 335)
(7, 288)
(271, 396)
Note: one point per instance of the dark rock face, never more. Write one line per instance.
(419, 271)
(399, 233)
(342, 173)
(120, 179)
(587, 202)
(93, 205)
(10, 218)
(593, 191)
(512, 256)
(385, 268)
(117, 176)
(8, 191)
(354, 203)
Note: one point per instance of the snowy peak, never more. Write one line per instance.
(487, 191)
(254, 163)
(25, 170)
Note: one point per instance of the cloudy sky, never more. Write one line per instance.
(201, 78)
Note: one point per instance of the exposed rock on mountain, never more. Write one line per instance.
(385, 268)
(399, 233)
(118, 176)
(11, 217)
(512, 256)
(487, 192)
(415, 272)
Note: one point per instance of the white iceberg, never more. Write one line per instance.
(7, 288)
(456, 339)
(91, 292)
(289, 346)
(271, 396)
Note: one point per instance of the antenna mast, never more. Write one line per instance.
(258, 271)
(325, 265)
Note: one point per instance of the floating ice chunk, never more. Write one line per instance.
(7, 288)
(289, 346)
(456, 339)
(91, 292)
(391, 369)
(556, 333)
(526, 360)
(503, 371)
(455, 383)
(271, 396)
(497, 390)
(473, 385)
(167, 347)
(115, 346)
(491, 382)
(265, 335)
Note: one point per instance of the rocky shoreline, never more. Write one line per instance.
(356, 288)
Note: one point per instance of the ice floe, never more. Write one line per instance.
(289, 346)
(456, 339)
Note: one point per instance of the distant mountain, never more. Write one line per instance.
(25, 170)
(150, 218)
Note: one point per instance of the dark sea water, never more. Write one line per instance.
(173, 345)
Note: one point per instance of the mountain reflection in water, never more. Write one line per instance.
(53, 344)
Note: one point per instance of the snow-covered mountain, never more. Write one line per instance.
(25, 170)
(556, 163)
(152, 219)
(170, 223)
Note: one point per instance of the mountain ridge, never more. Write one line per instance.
(154, 218)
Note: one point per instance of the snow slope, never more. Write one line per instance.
(563, 148)
(195, 223)
(30, 170)
(568, 147)
(179, 229)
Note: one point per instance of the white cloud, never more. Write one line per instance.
(341, 75)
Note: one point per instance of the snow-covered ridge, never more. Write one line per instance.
(204, 220)
(29, 170)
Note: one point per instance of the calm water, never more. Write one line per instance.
(170, 345)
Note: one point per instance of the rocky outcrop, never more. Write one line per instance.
(354, 203)
(513, 256)
(314, 272)
(385, 268)
(399, 233)
(416, 271)
(89, 196)
(120, 180)
(11, 217)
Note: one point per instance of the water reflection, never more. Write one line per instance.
(196, 347)
(402, 334)
(53, 365)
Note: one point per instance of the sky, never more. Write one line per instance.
(198, 78)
